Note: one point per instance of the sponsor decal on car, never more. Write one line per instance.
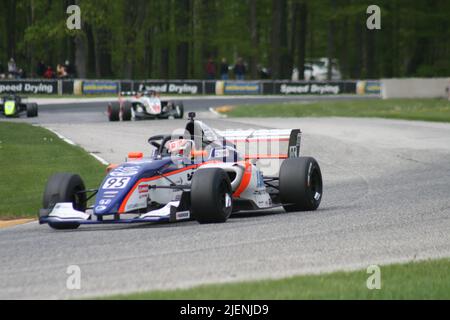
(143, 188)
(124, 171)
(182, 215)
(100, 208)
(221, 153)
(110, 194)
(116, 183)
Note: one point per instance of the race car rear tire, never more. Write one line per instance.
(114, 111)
(32, 110)
(211, 196)
(179, 109)
(65, 187)
(126, 111)
(300, 184)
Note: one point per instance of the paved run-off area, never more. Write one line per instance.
(386, 199)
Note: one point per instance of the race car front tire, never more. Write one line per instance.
(126, 111)
(63, 188)
(211, 196)
(32, 110)
(300, 184)
(114, 111)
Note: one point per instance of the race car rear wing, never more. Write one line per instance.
(266, 147)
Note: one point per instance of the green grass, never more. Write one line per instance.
(409, 109)
(28, 156)
(415, 280)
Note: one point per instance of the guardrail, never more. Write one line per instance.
(185, 87)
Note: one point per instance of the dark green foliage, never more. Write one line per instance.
(174, 38)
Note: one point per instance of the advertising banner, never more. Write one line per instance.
(100, 87)
(238, 87)
(29, 86)
(319, 88)
(170, 87)
(368, 87)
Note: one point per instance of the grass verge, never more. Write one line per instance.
(408, 109)
(28, 156)
(415, 280)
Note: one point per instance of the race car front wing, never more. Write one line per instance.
(65, 213)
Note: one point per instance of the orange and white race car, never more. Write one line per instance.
(194, 173)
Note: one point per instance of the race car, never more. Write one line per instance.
(143, 105)
(11, 106)
(196, 173)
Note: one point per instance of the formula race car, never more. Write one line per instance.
(200, 174)
(11, 106)
(143, 105)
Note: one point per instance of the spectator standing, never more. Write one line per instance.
(49, 73)
(239, 69)
(61, 71)
(70, 69)
(21, 74)
(224, 67)
(264, 73)
(12, 68)
(40, 69)
(211, 69)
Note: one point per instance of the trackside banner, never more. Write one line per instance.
(368, 87)
(100, 87)
(170, 87)
(237, 87)
(189, 87)
(29, 87)
(304, 87)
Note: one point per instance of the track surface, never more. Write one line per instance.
(93, 110)
(386, 200)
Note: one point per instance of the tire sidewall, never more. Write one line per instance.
(114, 111)
(32, 110)
(300, 179)
(126, 111)
(62, 187)
(206, 197)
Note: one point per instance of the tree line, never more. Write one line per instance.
(165, 39)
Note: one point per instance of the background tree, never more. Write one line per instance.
(142, 39)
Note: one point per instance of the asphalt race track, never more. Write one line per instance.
(386, 199)
(94, 110)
